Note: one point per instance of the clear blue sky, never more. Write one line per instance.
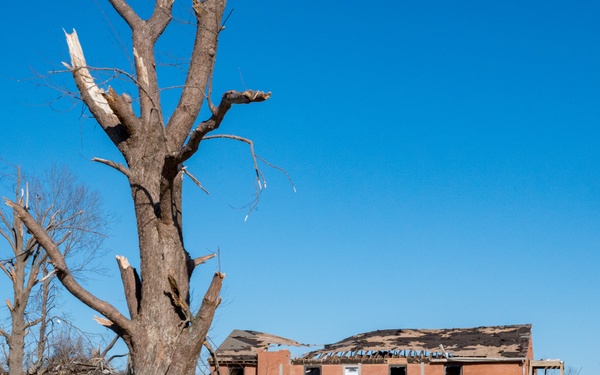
(445, 153)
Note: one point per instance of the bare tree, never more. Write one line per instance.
(163, 335)
(71, 216)
(72, 351)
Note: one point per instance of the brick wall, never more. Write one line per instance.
(332, 370)
(492, 369)
(271, 367)
(270, 362)
(296, 370)
(382, 369)
(429, 370)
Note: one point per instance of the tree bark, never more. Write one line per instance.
(16, 352)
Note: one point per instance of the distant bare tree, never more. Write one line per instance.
(163, 334)
(71, 351)
(71, 216)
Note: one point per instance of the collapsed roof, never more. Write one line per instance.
(241, 346)
(496, 342)
(480, 342)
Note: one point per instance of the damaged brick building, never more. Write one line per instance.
(497, 350)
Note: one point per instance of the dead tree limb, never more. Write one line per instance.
(195, 180)
(213, 355)
(228, 99)
(132, 286)
(119, 167)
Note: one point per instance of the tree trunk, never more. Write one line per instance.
(17, 342)
(42, 333)
(162, 257)
(20, 298)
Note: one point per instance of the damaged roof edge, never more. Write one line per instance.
(244, 344)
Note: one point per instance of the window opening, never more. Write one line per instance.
(397, 370)
(351, 370)
(453, 370)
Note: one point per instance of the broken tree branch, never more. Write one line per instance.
(3, 233)
(203, 259)
(110, 345)
(106, 323)
(8, 272)
(132, 286)
(121, 106)
(118, 166)
(259, 174)
(91, 94)
(193, 263)
(195, 180)
(49, 275)
(261, 181)
(117, 73)
(34, 322)
(211, 300)
(228, 99)
(280, 170)
(213, 355)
